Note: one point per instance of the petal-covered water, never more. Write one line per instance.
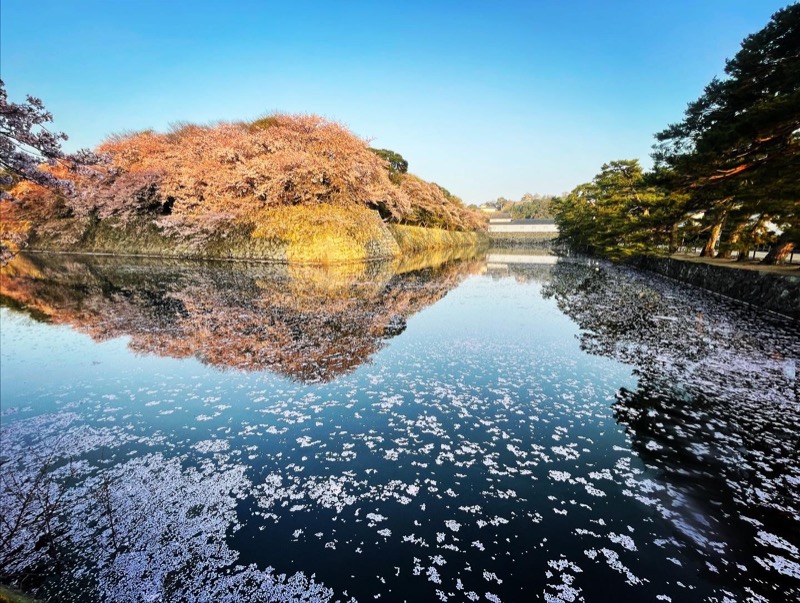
(455, 432)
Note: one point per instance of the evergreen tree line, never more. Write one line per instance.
(726, 179)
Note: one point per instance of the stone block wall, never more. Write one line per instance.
(776, 292)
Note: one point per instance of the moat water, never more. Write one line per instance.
(499, 428)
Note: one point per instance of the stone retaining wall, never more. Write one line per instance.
(299, 234)
(507, 240)
(550, 229)
(776, 292)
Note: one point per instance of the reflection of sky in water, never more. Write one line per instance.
(479, 455)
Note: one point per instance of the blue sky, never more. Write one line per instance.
(488, 99)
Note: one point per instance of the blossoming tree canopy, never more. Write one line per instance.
(230, 172)
(25, 143)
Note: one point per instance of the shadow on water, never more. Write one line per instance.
(714, 416)
(308, 323)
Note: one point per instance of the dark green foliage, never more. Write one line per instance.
(619, 212)
(725, 172)
(748, 121)
(737, 150)
(531, 207)
(528, 207)
(397, 165)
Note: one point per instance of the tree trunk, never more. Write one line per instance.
(733, 241)
(709, 250)
(751, 238)
(673, 239)
(778, 252)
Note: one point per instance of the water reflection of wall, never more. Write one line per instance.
(309, 323)
(524, 265)
(715, 413)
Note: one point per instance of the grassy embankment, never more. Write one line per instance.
(313, 234)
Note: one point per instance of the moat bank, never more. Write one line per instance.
(306, 235)
(777, 292)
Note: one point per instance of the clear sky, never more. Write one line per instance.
(490, 98)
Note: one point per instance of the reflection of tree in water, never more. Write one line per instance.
(715, 414)
(308, 323)
(103, 526)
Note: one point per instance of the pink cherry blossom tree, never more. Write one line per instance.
(27, 145)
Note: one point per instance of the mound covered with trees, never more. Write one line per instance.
(290, 187)
(726, 177)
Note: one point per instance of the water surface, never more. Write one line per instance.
(462, 431)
